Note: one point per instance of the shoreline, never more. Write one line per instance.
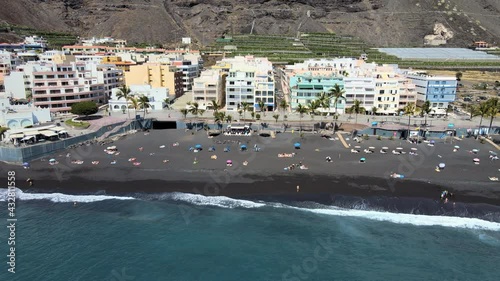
(407, 197)
(250, 186)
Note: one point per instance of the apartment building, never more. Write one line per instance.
(8, 62)
(53, 56)
(250, 80)
(57, 86)
(306, 87)
(303, 82)
(156, 75)
(440, 91)
(209, 87)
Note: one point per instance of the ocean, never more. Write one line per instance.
(177, 236)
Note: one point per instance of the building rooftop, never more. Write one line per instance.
(438, 54)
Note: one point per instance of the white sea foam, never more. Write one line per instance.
(226, 202)
(218, 201)
(59, 197)
(419, 220)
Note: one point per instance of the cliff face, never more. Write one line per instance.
(379, 22)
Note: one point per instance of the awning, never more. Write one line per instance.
(48, 133)
(57, 128)
(16, 136)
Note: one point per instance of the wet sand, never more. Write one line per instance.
(264, 176)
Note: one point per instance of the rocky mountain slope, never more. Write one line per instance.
(378, 22)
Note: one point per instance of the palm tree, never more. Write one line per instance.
(482, 110)
(336, 93)
(184, 112)
(229, 118)
(409, 110)
(262, 106)
(245, 106)
(494, 110)
(324, 101)
(219, 117)
(356, 108)
(144, 104)
(124, 92)
(472, 110)
(301, 110)
(194, 108)
(276, 117)
(167, 102)
(215, 106)
(312, 105)
(449, 109)
(374, 110)
(425, 110)
(134, 103)
(283, 105)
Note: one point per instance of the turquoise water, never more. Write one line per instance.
(189, 237)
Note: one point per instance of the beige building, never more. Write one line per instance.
(156, 75)
(208, 87)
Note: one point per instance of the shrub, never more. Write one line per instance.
(391, 138)
(84, 108)
(379, 138)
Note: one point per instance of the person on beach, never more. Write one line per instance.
(29, 181)
(298, 188)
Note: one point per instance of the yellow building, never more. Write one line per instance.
(156, 75)
(386, 90)
(120, 64)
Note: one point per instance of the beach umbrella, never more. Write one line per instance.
(243, 147)
(413, 149)
(362, 160)
(432, 141)
(26, 164)
(493, 153)
(52, 160)
(441, 165)
(357, 147)
(371, 148)
(385, 148)
(475, 150)
(297, 145)
(456, 147)
(229, 162)
(475, 159)
(198, 146)
(399, 148)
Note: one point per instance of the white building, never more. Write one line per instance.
(57, 86)
(156, 97)
(207, 88)
(35, 41)
(21, 116)
(250, 80)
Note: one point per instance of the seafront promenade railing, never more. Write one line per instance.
(25, 154)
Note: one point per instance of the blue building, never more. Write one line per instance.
(440, 91)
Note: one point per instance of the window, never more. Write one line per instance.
(231, 96)
(435, 96)
(231, 82)
(231, 89)
(382, 91)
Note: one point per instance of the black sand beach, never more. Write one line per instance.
(168, 168)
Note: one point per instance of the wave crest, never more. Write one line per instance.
(59, 197)
(217, 201)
